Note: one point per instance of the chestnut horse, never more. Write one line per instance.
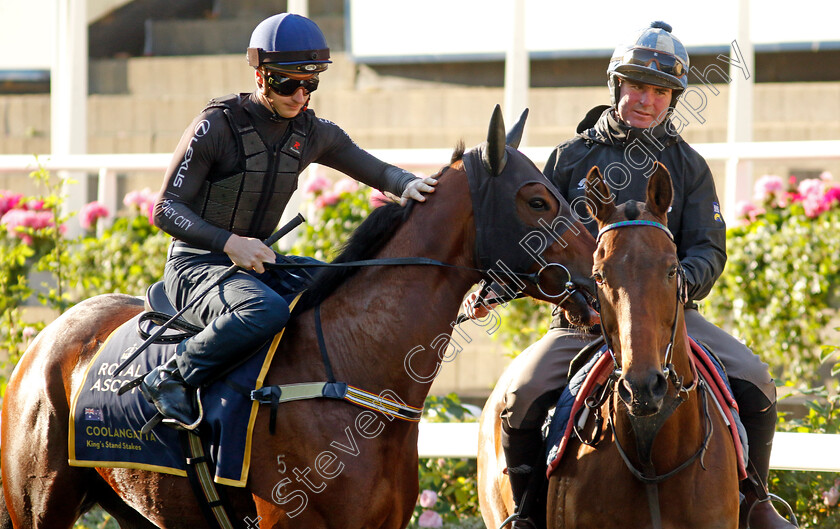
(667, 458)
(330, 464)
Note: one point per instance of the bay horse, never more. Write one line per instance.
(387, 329)
(667, 458)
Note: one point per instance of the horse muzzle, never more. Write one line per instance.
(643, 393)
(573, 294)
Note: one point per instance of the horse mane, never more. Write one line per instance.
(364, 243)
(458, 153)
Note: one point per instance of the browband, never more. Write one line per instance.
(639, 222)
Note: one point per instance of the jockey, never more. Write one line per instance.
(645, 80)
(229, 180)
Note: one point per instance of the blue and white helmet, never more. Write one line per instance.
(288, 42)
(655, 57)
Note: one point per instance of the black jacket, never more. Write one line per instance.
(209, 150)
(624, 154)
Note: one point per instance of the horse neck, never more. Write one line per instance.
(389, 326)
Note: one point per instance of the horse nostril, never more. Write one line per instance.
(658, 385)
(625, 391)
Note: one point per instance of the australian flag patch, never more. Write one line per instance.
(716, 208)
(93, 414)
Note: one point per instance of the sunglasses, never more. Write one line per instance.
(286, 86)
(664, 62)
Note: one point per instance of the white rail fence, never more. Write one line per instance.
(107, 166)
(791, 451)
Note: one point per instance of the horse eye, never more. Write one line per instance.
(538, 203)
(672, 273)
(598, 278)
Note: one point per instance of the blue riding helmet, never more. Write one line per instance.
(289, 42)
(654, 57)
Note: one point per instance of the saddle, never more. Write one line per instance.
(156, 300)
(588, 377)
(106, 427)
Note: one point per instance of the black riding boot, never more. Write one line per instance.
(759, 418)
(172, 396)
(523, 451)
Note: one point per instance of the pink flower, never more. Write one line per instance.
(831, 197)
(133, 199)
(326, 199)
(745, 209)
(143, 200)
(19, 221)
(378, 198)
(428, 498)
(831, 496)
(345, 185)
(810, 187)
(430, 519)
(812, 192)
(767, 188)
(315, 183)
(33, 205)
(150, 215)
(28, 334)
(8, 200)
(92, 212)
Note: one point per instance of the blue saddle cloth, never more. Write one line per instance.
(105, 427)
(557, 420)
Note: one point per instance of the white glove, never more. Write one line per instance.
(415, 189)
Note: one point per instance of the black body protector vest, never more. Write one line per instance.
(251, 202)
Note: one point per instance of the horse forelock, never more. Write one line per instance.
(631, 210)
(634, 210)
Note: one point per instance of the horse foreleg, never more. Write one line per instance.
(41, 490)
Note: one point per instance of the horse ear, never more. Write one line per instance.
(660, 192)
(514, 135)
(494, 156)
(599, 199)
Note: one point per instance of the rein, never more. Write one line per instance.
(491, 273)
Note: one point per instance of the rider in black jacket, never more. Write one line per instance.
(694, 217)
(624, 140)
(224, 192)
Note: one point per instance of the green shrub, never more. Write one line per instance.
(449, 491)
(807, 491)
(333, 213)
(778, 290)
(776, 293)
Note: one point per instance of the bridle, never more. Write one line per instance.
(491, 274)
(667, 367)
(511, 281)
(646, 428)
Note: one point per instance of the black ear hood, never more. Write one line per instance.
(499, 231)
